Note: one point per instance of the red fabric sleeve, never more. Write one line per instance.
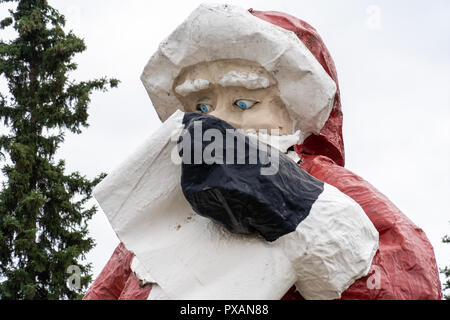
(133, 289)
(111, 281)
(404, 266)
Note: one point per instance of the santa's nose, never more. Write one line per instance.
(224, 110)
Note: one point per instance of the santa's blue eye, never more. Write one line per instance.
(245, 104)
(242, 104)
(204, 108)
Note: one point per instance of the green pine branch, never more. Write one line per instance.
(446, 272)
(43, 210)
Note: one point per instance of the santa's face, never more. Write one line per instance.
(237, 91)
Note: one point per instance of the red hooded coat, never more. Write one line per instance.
(404, 267)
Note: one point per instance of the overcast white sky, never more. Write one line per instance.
(392, 59)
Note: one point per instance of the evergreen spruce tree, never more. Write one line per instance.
(43, 210)
(446, 272)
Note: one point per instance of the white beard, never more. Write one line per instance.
(280, 142)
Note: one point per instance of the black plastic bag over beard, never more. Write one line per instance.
(227, 185)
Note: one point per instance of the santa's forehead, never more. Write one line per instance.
(215, 71)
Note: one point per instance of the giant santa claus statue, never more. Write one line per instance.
(242, 193)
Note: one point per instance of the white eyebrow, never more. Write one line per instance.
(190, 86)
(249, 80)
